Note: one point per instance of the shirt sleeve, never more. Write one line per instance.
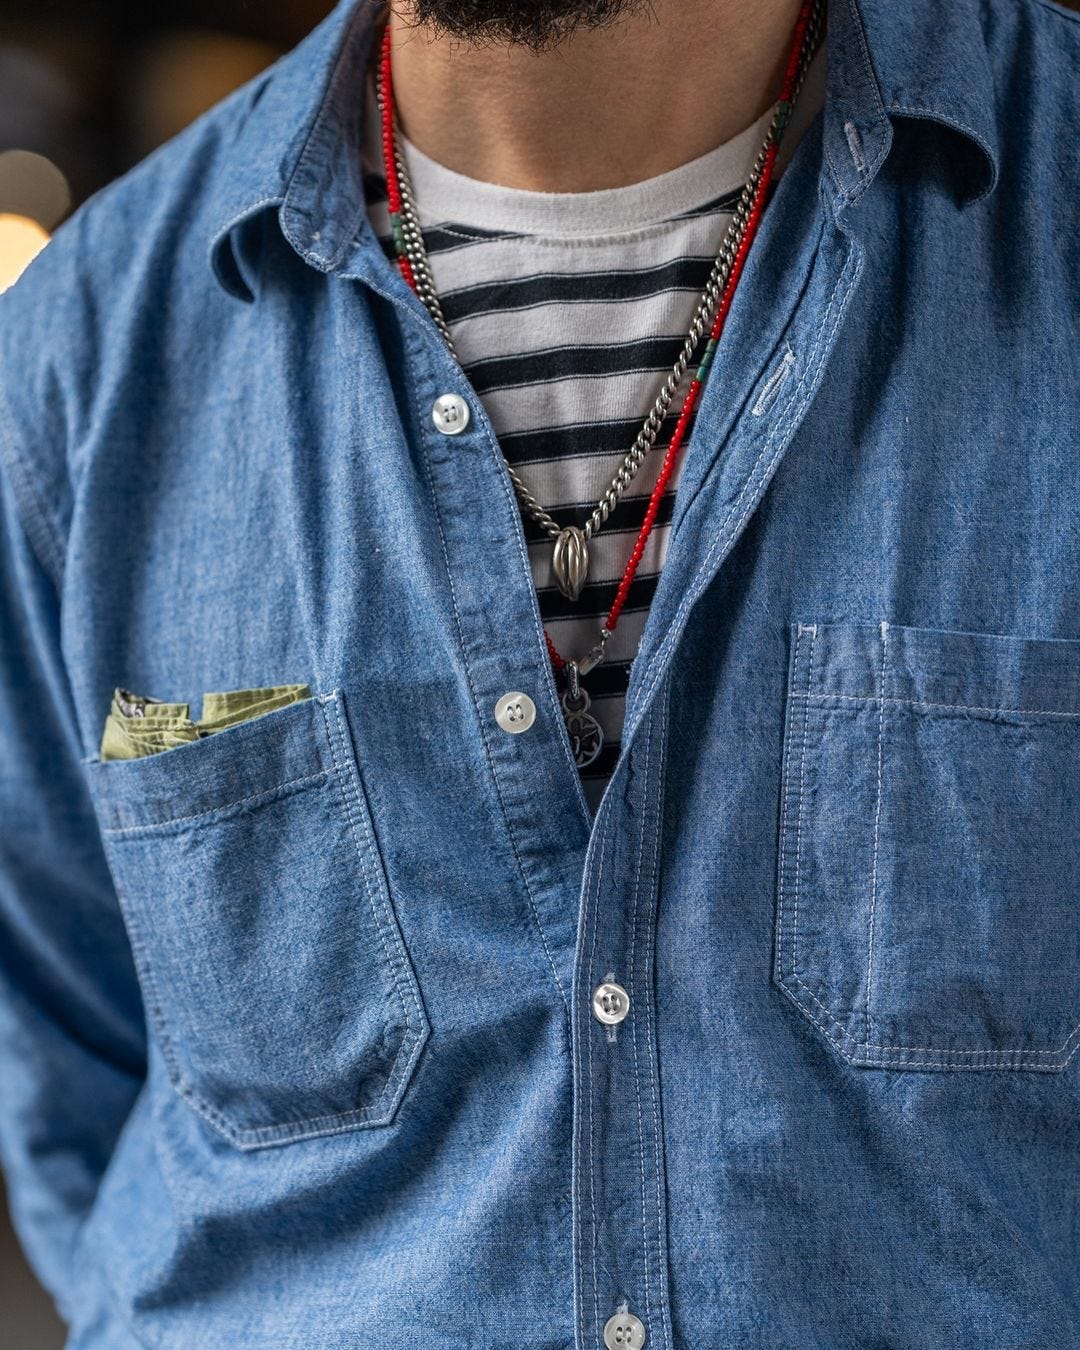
(72, 1040)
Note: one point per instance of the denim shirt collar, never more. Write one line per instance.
(917, 60)
(299, 148)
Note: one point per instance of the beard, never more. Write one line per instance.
(536, 24)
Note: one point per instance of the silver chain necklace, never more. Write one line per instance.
(570, 558)
(570, 555)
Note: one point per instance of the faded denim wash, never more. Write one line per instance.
(837, 867)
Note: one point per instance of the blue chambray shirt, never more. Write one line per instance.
(297, 1037)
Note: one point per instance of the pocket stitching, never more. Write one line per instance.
(848, 1045)
(247, 1137)
(799, 797)
(412, 1040)
(867, 1019)
(799, 794)
(265, 794)
(949, 707)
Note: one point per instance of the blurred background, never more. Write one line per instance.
(87, 89)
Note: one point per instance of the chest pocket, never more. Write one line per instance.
(271, 961)
(929, 872)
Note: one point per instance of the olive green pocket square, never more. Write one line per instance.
(138, 725)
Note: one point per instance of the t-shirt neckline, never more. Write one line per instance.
(444, 195)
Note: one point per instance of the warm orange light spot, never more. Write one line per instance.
(21, 240)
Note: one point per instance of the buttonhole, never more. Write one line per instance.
(855, 145)
(773, 384)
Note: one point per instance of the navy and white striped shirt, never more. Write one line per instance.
(568, 310)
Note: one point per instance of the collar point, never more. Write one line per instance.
(231, 256)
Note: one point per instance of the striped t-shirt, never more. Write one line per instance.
(567, 311)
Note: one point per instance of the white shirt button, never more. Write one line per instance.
(515, 712)
(450, 414)
(610, 1003)
(624, 1331)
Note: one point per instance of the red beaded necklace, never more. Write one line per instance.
(585, 731)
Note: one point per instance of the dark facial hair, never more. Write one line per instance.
(536, 24)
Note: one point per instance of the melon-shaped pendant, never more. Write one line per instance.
(570, 561)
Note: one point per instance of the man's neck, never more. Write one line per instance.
(607, 107)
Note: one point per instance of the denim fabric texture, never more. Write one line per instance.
(296, 1035)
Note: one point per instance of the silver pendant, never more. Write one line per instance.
(586, 733)
(570, 561)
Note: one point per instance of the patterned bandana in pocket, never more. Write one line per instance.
(138, 726)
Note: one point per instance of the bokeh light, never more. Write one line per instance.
(21, 240)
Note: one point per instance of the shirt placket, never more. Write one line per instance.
(620, 1266)
(535, 789)
(592, 883)
(613, 863)
(621, 1256)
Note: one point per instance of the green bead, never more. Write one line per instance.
(706, 360)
